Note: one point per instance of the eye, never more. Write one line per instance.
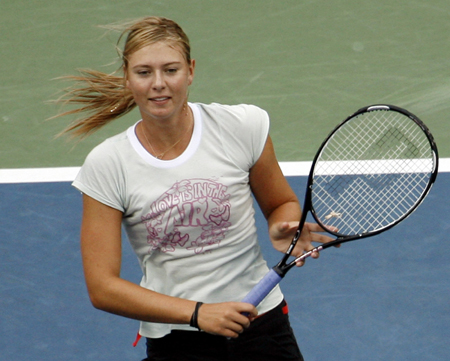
(172, 70)
(143, 72)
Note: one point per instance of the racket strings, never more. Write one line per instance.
(371, 172)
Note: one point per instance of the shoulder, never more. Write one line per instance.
(108, 157)
(238, 112)
(236, 118)
(110, 147)
(242, 130)
(103, 176)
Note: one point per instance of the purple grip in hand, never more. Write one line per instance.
(263, 288)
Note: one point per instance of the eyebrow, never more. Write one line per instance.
(164, 65)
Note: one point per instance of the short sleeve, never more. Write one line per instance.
(102, 177)
(245, 134)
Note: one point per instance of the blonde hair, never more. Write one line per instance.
(103, 97)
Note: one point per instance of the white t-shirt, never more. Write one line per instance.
(190, 220)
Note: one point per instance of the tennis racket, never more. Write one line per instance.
(371, 172)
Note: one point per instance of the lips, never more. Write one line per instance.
(159, 99)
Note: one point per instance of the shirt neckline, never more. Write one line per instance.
(183, 157)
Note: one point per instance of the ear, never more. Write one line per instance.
(191, 72)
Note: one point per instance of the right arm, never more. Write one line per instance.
(101, 253)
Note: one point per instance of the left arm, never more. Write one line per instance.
(280, 205)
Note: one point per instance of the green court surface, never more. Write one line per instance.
(310, 64)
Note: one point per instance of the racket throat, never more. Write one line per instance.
(280, 269)
(284, 269)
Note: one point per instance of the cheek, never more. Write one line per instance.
(136, 88)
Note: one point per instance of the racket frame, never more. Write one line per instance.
(283, 266)
(276, 274)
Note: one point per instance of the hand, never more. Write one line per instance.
(282, 233)
(226, 319)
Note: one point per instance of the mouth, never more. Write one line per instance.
(159, 99)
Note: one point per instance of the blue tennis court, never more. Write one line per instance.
(384, 298)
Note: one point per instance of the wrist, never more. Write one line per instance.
(194, 318)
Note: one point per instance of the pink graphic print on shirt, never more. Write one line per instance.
(194, 203)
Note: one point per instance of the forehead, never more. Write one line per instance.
(157, 53)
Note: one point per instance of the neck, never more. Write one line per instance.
(166, 140)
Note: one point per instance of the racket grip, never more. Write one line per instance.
(263, 288)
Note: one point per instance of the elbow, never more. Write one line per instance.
(105, 295)
(96, 300)
(99, 298)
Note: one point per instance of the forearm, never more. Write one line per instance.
(124, 298)
(287, 212)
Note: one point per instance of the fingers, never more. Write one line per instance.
(237, 327)
(310, 235)
(311, 230)
(282, 233)
(305, 246)
(321, 238)
(314, 254)
(227, 319)
(314, 227)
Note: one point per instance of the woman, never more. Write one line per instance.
(180, 181)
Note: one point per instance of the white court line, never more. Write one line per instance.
(67, 174)
(38, 175)
(302, 168)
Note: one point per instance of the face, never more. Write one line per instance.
(159, 76)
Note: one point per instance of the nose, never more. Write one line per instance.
(159, 82)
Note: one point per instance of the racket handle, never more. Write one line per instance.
(263, 288)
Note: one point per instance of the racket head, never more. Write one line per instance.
(371, 172)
